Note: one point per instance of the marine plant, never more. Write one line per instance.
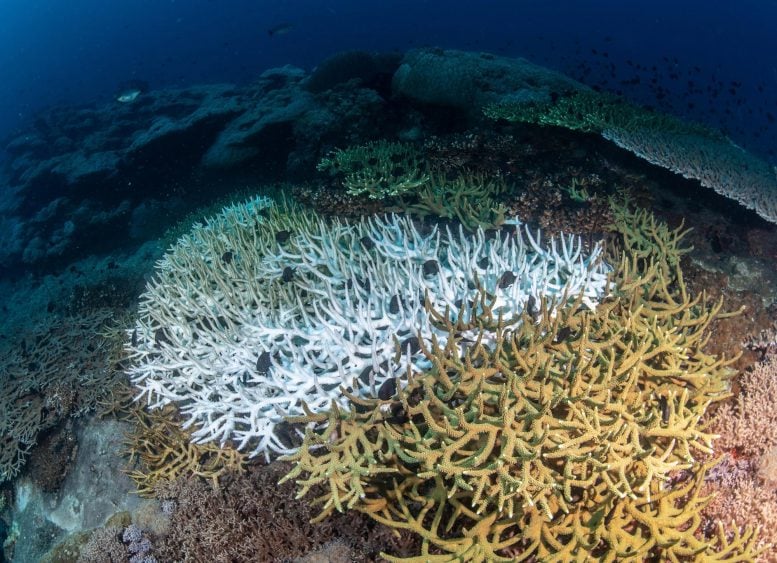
(378, 169)
(557, 434)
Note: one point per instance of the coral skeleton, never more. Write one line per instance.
(267, 311)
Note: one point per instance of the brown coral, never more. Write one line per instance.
(251, 518)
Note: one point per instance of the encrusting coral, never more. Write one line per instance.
(560, 434)
(268, 306)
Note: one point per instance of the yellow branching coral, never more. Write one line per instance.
(565, 435)
(469, 199)
(159, 450)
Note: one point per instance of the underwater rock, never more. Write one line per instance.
(468, 81)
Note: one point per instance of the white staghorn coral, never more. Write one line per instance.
(267, 307)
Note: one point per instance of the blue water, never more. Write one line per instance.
(714, 61)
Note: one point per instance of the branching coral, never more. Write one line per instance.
(49, 374)
(253, 519)
(267, 307)
(558, 436)
(469, 199)
(160, 451)
(379, 169)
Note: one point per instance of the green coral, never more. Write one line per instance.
(571, 436)
(378, 169)
(470, 199)
(591, 112)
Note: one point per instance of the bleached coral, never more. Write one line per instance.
(267, 307)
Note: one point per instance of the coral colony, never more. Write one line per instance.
(267, 310)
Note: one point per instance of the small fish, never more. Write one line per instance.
(563, 334)
(134, 339)
(664, 405)
(367, 243)
(398, 414)
(288, 274)
(263, 363)
(531, 307)
(412, 343)
(394, 305)
(128, 96)
(506, 280)
(282, 236)
(280, 29)
(160, 337)
(227, 257)
(431, 267)
(387, 390)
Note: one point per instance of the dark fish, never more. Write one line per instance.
(367, 372)
(431, 267)
(288, 274)
(506, 280)
(413, 343)
(563, 334)
(662, 402)
(227, 257)
(282, 236)
(387, 390)
(367, 243)
(394, 305)
(364, 283)
(398, 414)
(280, 29)
(263, 363)
(160, 337)
(531, 307)
(134, 339)
(483, 263)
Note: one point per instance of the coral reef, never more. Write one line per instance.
(748, 425)
(115, 542)
(267, 307)
(567, 434)
(744, 482)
